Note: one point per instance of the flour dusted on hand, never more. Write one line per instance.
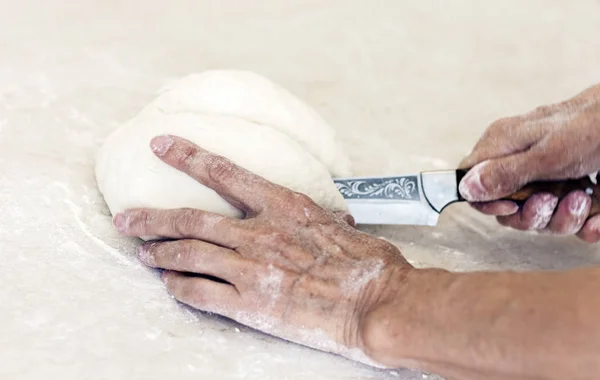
(237, 114)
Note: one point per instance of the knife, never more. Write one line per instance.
(419, 199)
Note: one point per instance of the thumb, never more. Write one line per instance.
(499, 177)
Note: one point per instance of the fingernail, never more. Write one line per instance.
(508, 208)
(161, 144)
(145, 256)
(121, 222)
(471, 187)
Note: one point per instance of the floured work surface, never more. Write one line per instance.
(408, 86)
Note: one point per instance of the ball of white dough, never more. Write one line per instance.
(237, 114)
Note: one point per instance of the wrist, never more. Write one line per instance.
(385, 331)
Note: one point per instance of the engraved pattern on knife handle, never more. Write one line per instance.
(400, 188)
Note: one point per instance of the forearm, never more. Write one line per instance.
(491, 325)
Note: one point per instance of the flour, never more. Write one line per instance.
(270, 284)
(359, 277)
(258, 321)
(107, 60)
(579, 209)
(105, 247)
(543, 213)
(146, 257)
(313, 338)
(579, 206)
(319, 340)
(471, 187)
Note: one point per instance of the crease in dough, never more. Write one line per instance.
(249, 120)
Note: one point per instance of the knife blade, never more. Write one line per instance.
(419, 199)
(411, 199)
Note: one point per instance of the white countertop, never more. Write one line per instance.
(409, 85)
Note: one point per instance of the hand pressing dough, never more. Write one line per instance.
(240, 115)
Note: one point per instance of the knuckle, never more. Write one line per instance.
(553, 162)
(184, 252)
(185, 221)
(302, 205)
(275, 239)
(143, 218)
(150, 254)
(287, 197)
(220, 169)
(544, 110)
(303, 200)
(349, 219)
(500, 125)
(280, 239)
(186, 157)
(494, 181)
(305, 211)
(501, 177)
(140, 220)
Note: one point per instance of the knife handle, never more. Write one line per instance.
(559, 189)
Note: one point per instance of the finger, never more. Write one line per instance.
(506, 136)
(230, 181)
(497, 178)
(496, 208)
(571, 213)
(201, 293)
(591, 230)
(346, 217)
(535, 214)
(193, 256)
(182, 224)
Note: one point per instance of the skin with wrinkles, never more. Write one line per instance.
(555, 142)
(290, 266)
(299, 272)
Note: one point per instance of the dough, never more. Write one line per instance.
(237, 114)
(245, 95)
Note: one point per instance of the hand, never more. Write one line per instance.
(289, 268)
(556, 142)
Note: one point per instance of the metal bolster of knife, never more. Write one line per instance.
(440, 188)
